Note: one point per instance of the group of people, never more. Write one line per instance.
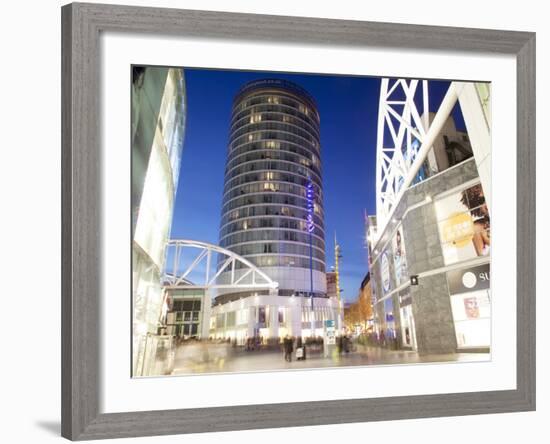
(288, 347)
(385, 339)
(253, 343)
(344, 344)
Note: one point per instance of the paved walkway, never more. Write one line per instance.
(222, 358)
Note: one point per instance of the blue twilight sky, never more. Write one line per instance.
(348, 107)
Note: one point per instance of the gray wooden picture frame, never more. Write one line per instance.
(81, 215)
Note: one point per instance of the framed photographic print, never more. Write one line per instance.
(292, 221)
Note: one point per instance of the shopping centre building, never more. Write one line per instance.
(430, 260)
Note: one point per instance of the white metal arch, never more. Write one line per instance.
(248, 277)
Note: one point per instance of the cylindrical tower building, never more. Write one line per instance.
(273, 159)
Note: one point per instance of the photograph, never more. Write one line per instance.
(292, 221)
(267, 222)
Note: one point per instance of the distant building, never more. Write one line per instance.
(333, 293)
(158, 124)
(185, 312)
(331, 284)
(358, 315)
(366, 296)
(450, 148)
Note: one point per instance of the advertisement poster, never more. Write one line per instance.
(471, 308)
(464, 225)
(386, 282)
(399, 257)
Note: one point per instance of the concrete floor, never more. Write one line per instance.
(222, 358)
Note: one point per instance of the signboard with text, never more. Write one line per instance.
(469, 279)
(330, 332)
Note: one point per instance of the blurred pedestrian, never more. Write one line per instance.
(288, 347)
(382, 339)
(346, 343)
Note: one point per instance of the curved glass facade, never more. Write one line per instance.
(273, 154)
(159, 107)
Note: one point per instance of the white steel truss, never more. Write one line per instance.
(402, 128)
(177, 274)
(412, 134)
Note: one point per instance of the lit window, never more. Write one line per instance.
(314, 160)
(255, 118)
(272, 144)
(269, 186)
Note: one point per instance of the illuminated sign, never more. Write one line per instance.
(330, 332)
(309, 197)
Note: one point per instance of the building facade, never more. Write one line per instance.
(272, 213)
(184, 317)
(450, 147)
(431, 264)
(158, 124)
(331, 284)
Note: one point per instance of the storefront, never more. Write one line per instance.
(465, 232)
(408, 332)
(444, 240)
(471, 306)
(269, 318)
(184, 312)
(387, 329)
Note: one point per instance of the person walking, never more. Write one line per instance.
(288, 346)
(346, 342)
(382, 339)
